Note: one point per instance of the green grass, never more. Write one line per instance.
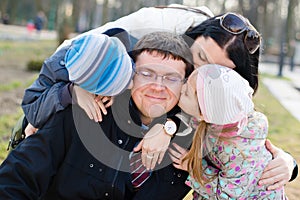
(7, 122)
(284, 129)
(17, 84)
(10, 86)
(17, 53)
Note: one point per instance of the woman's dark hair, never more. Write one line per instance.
(246, 63)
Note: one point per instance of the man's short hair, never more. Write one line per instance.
(169, 45)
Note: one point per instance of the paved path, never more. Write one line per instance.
(287, 91)
(11, 32)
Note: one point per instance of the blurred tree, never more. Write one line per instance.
(291, 32)
(105, 12)
(52, 14)
(75, 14)
(3, 8)
(38, 5)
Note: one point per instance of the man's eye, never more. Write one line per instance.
(146, 74)
(172, 78)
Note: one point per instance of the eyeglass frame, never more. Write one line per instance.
(155, 77)
(248, 27)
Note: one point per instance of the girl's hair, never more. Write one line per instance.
(246, 63)
(196, 154)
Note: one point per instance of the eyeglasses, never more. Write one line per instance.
(237, 24)
(148, 76)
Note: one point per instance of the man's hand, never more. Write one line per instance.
(176, 155)
(279, 170)
(153, 146)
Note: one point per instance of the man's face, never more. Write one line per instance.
(156, 84)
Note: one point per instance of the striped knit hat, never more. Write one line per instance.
(99, 64)
(224, 96)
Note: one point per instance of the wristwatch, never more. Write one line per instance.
(170, 127)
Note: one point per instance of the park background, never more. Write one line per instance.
(23, 48)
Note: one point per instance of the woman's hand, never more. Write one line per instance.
(177, 153)
(29, 130)
(91, 104)
(279, 170)
(154, 146)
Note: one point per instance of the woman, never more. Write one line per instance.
(227, 40)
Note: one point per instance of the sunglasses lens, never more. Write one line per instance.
(252, 41)
(236, 24)
(233, 23)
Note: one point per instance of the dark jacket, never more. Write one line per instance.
(72, 157)
(42, 99)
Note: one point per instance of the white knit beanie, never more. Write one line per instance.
(224, 96)
(99, 64)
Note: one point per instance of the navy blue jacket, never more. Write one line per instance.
(73, 157)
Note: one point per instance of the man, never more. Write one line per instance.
(73, 157)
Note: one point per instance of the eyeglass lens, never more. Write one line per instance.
(149, 76)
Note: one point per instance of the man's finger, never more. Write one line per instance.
(276, 185)
(139, 147)
(177, 166)
(161, 156)
(271, 180)
(148, 161)
(154, 160)
(273, 149)
(175, 153)
(179, 148)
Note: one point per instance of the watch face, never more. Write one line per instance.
(170, 127)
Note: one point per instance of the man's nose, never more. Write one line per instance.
(159, 79)
(158, 83)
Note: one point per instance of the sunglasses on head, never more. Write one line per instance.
(237, 24)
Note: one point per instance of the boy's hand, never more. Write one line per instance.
(29, 130)
(91, 104)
